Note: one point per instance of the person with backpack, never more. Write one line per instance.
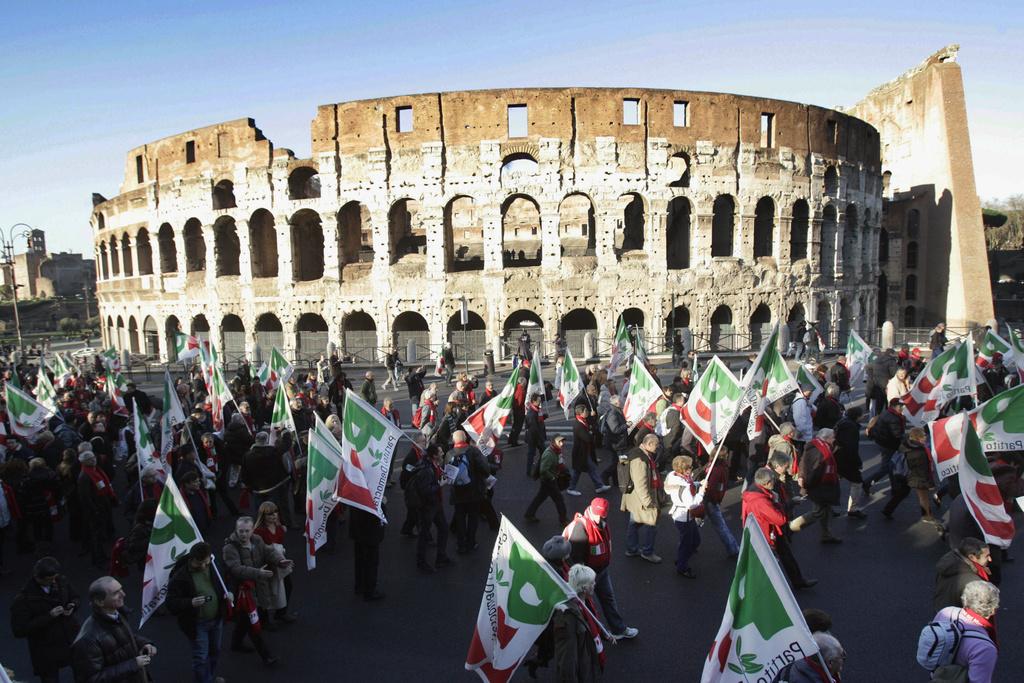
(911, 471)
(819, 476)
(887, 431)
(424, 493)
(957, 568)
(469, 489)
(960, 643)
(546, 471)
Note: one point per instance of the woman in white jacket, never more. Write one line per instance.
(687, 508)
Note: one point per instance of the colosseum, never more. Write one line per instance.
(550, 210)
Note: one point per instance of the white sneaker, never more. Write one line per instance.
(602, 489)
(573, 492)
(630, 632)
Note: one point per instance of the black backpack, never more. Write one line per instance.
(622, 473)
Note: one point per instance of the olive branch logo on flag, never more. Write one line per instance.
(174, 533)
(322, 467)
(368, 443)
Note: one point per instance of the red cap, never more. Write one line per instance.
(915, 352)
(599, 506)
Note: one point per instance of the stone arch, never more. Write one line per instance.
(112, 339)
(831, 182)
(829, 228)
(887, 185)
(850, 237)
(269, 334)
(104, 263)
(678, 319)
(144, 252)
(171, 328)
(168, 249)
(226, 247)
(722, 331)
(410, 326)
(575, 326)
(677, 252)
(910, 288)
(633, 317)
(521, 241)
(120, 332)
(359, 336)
(307, 246)
(355, 234)
(127, 264)
(311, 336)
(764, 227)
(463, 235)
(263, 258)
(516, 323)
(406, 234)
(195, 246)
(799, 226)
(760, 326)
(224, 195)
(133, 334)
(473, 343)
(101, 221)
(679, 170)
(843, 324)
(304, 183)
(823, 318)
(232, 334)
(795, 321)
(723, 225)
(115, 263)
(517, 166)
(200, 327)
(576, 225)
(151, 338)
(631, 225)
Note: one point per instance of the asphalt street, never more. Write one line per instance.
(877, 586)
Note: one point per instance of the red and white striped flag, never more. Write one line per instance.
(713, 405)
(978, 487)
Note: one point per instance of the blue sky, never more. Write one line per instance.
(83, 84)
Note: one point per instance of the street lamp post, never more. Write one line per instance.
(7, 242)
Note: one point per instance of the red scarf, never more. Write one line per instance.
(583, 421)
(595, 632)
(829, 474)
(556, 448)
(815, 664)
(989, 624)
(982, 572)
(246, 602)
(211, 458)
(655, 477)
(100, 481)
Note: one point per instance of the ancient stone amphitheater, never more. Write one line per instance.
(545, 209)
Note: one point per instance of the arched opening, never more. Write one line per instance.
(104, 263)
(101, 222)
(883, 246)
(359, 336)
(831, 181)
(722, 333)
(307, 246)
(517, 167)
(224, 195)
(473, 343)
(516, 324)
(909, 317)
(850, 238)
(463, 236)
(576, 226)
(911, 254)
(887, 185)
(126, 255)
(310, 336)
(633, 317)
(883, 298)
(824, 323)
(520, 232)
(764, 227)
(630, 233)
(723, 223)
(115, 263)
(195, 246)
(355, 234)
(677, 252)
(171, 328)
(405, 230)
(200, 328)
(795, 322)
(910, 288)
(112, 339)
(121, 335)
(798, 230)
(913, 224)
(262, 244)
(411, 327)
(133, 335)
(226, 247)
(144, 252)
(829, 226)
(168, 249)
(151, 338)
(677, 320)
(232, 334)
(269, 335)
(575, 326)
(845, 319)
(679, 170)
(304, 183)
(760, 326)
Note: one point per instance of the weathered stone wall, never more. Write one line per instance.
(584, 211)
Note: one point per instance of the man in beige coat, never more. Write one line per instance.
(641, 500)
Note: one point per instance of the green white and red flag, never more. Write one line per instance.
(1000, 421)
(174, 533)
(485, 424)
(110, 360)
(62, 370)
(947, 439)
(643, 393)
(368, 442)
(280, 368)
(763, 629)
(145, 451)
(116, 386)
(992, 344)
(535, 383)
(281, 419)
(713, 405)
(858, 353)
(172, 416)
(640, 353)
(980, 492)
(1018, 352)
(768, 380)
(570, 386)
(622, 347)
(807, 380)
(186, 346)
(947, 376)
(520, 596)
(220, 396)
(28, 417)
(45, 393)
(322, 466)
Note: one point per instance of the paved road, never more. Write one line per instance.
(877, 587)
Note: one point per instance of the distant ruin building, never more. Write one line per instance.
(550, 210)
(42, 275)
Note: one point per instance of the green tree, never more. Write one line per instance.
(68, 326)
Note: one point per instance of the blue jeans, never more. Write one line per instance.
(640, 537)
(531, 453)
(206, 650)
(884, 469)
(606, 596)
(714, 514)
(591, 470)
(689, 541)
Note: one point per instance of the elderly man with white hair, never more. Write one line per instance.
(579, 652)
(977, 652)
(819, 476)
(811, 670)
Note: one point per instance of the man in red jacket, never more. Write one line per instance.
(760, 501)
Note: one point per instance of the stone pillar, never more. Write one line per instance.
(743, 237)
(700, 246)
(604, 223)
(888, 334)
(493, 237)
(550, 239)
(133, 244)
(329, 225)
(783, 236)
(381, 242)
(814, 244)
(179, 250)
(284, 254)
(656, 236)
(211, 257)
(588, 346)
(432, 219)
(244, 252)
(163, 352)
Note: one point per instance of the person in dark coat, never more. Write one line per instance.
(577, 657)
(197, 598)
(887, 432)
(367, 533)
(97, 499)
(136, 544)
(264, 473)
(584, 454)
(914, 477)
(957, 568)
(819, 476)
(829, 409)
(467, 496)
(672, 439)
(106, 649)
(518, 411)
(38, 495)
(44, 613)
(840, 374)
(547, 479)
(536, 431)
(425, 488)
(937, 342)
(414, 381)
(848, 461)
(238, 439)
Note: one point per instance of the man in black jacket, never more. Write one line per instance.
(264, 473)
(466, 497)
(197, 598)
(425, 491)
(105, 648)
(536, 431)
(957, 568)
(887, 432)
(43, 612)
(414, 381)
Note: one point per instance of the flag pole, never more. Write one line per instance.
(711, 465)
(607, 634)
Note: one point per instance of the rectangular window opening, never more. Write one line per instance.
(517, 121)
(680, 114)
(767, 130)
(630, 112)
(222, 144)
(833, 132)
(403, 119)
(190, 152)
(138, 169)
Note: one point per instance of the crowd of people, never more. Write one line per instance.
(82, 471)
